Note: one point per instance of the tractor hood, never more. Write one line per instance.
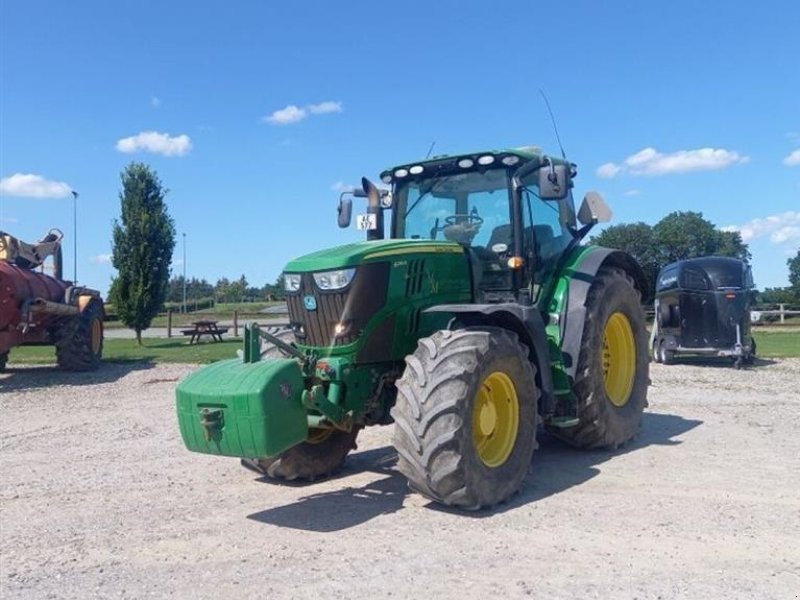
(352, 255)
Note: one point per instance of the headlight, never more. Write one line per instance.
(291, 282)
(334, 280)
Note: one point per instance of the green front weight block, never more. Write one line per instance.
(250, 410)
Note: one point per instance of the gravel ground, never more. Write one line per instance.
(100, 499)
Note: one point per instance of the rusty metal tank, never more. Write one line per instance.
(37, 308)
(23, 296)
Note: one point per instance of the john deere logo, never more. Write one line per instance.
(310, 302)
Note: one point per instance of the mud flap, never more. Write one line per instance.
(231, 408)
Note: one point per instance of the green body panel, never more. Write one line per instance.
(421, 274)
(352, 255)
(555, 299)
(251, 409)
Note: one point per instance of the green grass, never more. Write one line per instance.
(155, 350)
(777, 344)
(771, 344)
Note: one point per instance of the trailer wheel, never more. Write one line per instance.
(465, 417)
(3, 360)
(657, 352)
(613, 369)
(750, 358)
(322, 454)
(667, 355)
(79, 341)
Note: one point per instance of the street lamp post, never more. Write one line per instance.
(184, 273)
(75, 236)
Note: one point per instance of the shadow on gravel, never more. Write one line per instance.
(719, 362)
(34, 377)
(556, 468)
(346, 507)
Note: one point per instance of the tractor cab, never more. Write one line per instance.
(511, 210)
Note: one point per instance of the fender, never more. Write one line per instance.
(527, 323)
(581, 276)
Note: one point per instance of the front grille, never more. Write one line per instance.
(354, 306)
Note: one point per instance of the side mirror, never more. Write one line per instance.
(345, 212)
(553, 182)
(593, 210)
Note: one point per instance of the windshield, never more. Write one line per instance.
(465, 207)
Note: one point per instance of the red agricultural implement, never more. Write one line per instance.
(37, 308)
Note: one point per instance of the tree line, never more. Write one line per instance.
(682, 235)
(224, 290)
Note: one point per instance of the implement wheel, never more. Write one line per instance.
(465, 417)
(613, 370)
(322, 454)
(3, 360)
(79, 341)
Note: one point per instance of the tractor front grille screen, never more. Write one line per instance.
(337, 318)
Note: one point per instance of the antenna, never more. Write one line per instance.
(553, 119)
(428, 155)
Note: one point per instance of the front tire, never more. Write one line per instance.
(321, 455)
(79, 342)
(465, 417)
(613, 368)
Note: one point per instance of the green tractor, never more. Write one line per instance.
(471, 315)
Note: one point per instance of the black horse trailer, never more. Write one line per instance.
(702, 306)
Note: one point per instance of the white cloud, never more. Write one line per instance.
(155, 101)
(781, 228)
(793, 160)
(651, 162)
(340, 187)
(325, 107)
(8, 220)
(608, 170)
(294, 114)
(286, 116)
(631, 193)
(786, 234)
(157, 143)
(101, 259)
(27, 185)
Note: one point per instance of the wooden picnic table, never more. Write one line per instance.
(201, 328)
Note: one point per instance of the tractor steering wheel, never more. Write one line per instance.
(462, 228)
(469, 219)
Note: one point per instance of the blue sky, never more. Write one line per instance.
(663, 106)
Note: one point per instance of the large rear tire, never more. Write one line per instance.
(465, 417)
(79, 341)
(613, 369)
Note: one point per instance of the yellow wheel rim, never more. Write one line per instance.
(619, 359)
(495, 419)
(318, 435)
(97, 335)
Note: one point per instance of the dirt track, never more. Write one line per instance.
(100, 499)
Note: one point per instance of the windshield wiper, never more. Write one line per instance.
(423, 195)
